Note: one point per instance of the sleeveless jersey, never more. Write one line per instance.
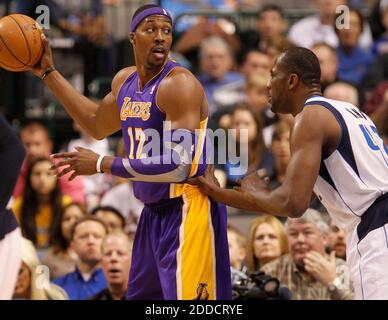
(139, 111)
(356, 173)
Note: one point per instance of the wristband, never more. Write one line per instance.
(98, 165)
(45, 74)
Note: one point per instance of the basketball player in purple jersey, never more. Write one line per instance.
(180, 249)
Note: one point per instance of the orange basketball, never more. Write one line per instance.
(20, 43)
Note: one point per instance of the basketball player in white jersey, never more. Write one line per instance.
(338, 154)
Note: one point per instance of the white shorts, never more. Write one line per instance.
(10, 260)
(368, 262)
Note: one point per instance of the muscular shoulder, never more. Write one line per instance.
(120, 78)
(317, 123)
(181, 86)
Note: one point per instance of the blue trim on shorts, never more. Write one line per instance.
(374, 217)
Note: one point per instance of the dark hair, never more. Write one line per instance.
(110, 209)
(271, 7)
(33, 126)
(85, 219)
(57, 238)
(256, 147)
(142, 8)
(357, 12)
(30, 204)
(304, 63)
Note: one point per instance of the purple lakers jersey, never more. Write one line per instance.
(139, 111)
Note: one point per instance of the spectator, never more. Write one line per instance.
(353, 61)
(267, 241)
(216, 62)
(276, 46)
(327, 57)
(111, 217)
(30, 285)
(116, 262)
(281, 150)
(38, 209)
(342, 91)
(237, 247)
(336, 239)
(319, 28)
(60, 258)
(270, 23)
(88, 278)
(256, 157)
(307, 270)
(38, 143)
(190, 41)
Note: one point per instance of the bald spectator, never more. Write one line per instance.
(342, 91)
(328, 62)
(307, 270)
(38, 143)
(116, 262)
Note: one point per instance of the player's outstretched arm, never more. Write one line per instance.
(98, 119)
(181, 142)
(292, 198)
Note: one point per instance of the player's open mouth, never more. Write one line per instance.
(159, 52)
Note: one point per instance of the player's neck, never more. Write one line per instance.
(146, 73)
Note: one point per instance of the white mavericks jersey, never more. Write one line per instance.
(356, 173)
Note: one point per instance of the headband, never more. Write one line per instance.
(149, 12)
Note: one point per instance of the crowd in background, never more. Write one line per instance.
(82, 230)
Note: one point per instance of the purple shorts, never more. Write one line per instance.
(181, 251)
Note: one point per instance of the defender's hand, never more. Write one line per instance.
(81, 162)
(207, 182)
(253, 182)
(46, 61)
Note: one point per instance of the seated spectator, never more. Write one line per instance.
(255, 64)
(30, 285)
(281, 150)
(112, 218)
(267, 241)
(307, 270)
(342, 91)
(327, 57)
(216, 62)
(271, 23)
(336, 240)
(60, 258)
(253, 154)
(38, 143)
(353, 61)
(319, 28)
(116, 262)
(237, 247)
(190, 42)
(38, 209)
(88, 278)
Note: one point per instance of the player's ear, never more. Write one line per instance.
(132, 38)
(293, 81)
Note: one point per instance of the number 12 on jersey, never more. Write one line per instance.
(136, 134)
